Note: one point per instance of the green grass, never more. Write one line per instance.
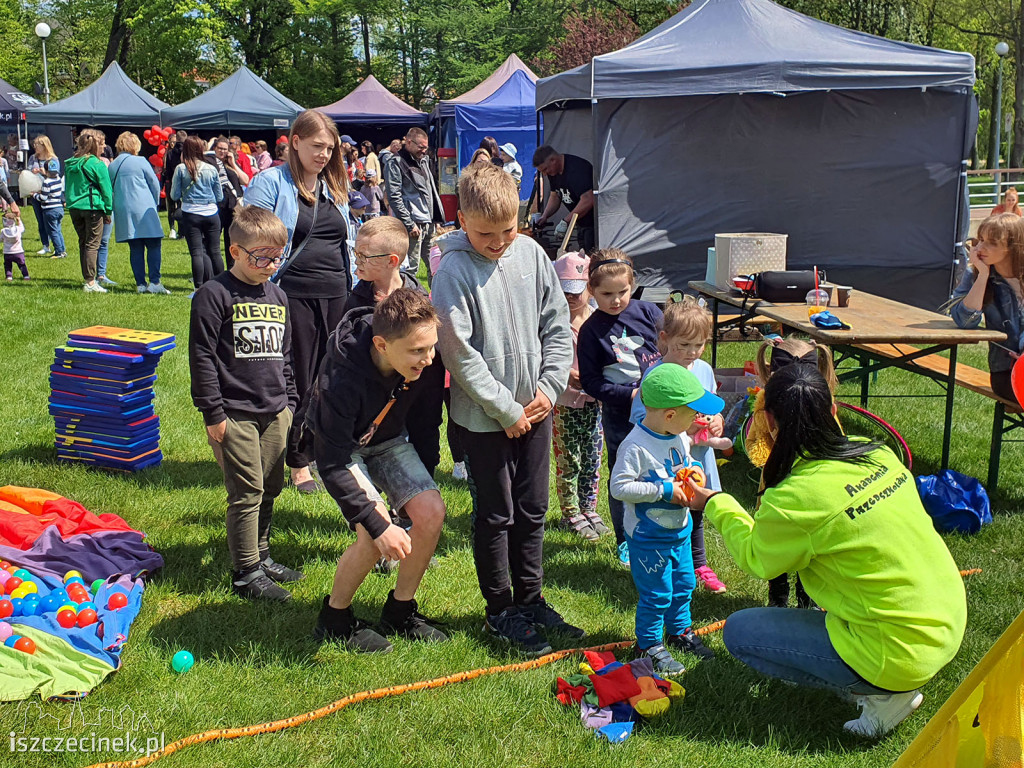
(258, 663)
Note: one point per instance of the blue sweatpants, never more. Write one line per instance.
(664, 577)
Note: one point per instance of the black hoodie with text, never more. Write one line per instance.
(348, 394)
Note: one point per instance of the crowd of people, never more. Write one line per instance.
(318, 347)
(296, 361)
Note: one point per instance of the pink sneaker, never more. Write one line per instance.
(710, 580)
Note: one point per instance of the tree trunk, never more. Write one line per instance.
(364, 23)
(117, 43)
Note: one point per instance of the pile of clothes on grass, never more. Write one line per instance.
(613, 696)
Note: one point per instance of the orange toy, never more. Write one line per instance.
(696, 474)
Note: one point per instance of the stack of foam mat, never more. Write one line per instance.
(101, 397)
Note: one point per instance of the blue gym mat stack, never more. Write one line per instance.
(101, 397)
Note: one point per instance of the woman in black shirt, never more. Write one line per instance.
(309, 193)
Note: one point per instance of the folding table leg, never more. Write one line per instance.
(865, 381)
(996, 449)
(714, 333)
(950, 389)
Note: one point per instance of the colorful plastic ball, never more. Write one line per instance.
(25, 645)
(16, 604)
(117, 600)
(182, 662)
(73, 580)
(10, 641)
(69, 606)
(23, 574)
(5, 631)
(6, 609)
(87, 617)
(79, 598)
(89, 605)
(19, 592)
(30, 588)
(67, 618)
(50, 603)
(12, 584)
(30, 605)
(72, 574)
(4, 576)
(4, 565)
(96, 585)
(60, 594)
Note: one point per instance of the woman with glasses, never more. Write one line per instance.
(309, 193)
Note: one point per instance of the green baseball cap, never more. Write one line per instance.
(671, 386)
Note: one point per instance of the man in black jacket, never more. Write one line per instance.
(370, 430)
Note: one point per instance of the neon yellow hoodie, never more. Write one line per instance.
(867, 553)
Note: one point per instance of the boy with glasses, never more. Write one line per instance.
(240, 362)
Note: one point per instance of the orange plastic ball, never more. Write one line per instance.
(26, 645)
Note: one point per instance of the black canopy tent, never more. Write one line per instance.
(742, 115)
(14, 108)
(114, 99)
(242, 101)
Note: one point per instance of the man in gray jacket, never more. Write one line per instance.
(412, 195)
(505, 339)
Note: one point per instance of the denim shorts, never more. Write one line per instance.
(392, 468)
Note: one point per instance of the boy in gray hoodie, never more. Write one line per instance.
(506, 341)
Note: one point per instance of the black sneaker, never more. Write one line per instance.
(280, 573)
(543, 617)
(512, 626)
(341, 624)
(403, 618)
(690, 642)
(778, 592)
(256, 585)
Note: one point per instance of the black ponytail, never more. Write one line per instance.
(799, 399)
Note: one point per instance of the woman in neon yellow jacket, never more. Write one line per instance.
(846, 515)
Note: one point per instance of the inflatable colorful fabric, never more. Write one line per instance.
(49, 535)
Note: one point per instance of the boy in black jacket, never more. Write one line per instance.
(240, 360)
(371, 429)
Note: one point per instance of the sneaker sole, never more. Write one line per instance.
(510, 643)
(890, 723)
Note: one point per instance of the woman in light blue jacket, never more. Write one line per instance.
(136, 220)
(196, 184)
(309, 194)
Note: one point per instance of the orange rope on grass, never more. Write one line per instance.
(382, 693)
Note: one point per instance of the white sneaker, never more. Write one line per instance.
(172, 235)
(880, 714)
(141, 289)
(42, 251)
(459, 471)
(105, 281)
(157, 288)
(94, 288)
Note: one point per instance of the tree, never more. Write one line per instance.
(587, 34)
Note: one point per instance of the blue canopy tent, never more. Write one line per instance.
(242, 101)
(114, 99)
(502, 120)
(509, 115)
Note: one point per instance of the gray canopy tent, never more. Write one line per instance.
(742, 115)
(241, 101)
(114, 99)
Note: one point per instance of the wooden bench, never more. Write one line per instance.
(1008, 415)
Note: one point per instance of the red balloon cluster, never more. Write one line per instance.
(156, 136)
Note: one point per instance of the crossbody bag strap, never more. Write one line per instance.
(276, 278)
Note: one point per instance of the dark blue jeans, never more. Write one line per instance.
(792, 644)
(616, 426)
(44, 235)
(138, 250)
(51, 232)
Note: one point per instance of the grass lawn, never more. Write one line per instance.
(257, 663)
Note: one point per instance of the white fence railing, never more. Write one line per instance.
(985, 191)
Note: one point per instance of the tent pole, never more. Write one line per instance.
(959, 250)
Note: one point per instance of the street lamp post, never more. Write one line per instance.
(1001, 50)
(43, 32)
